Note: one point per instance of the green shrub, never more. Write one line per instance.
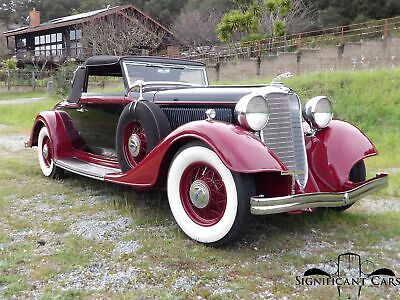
(9, 64)
(62, 78)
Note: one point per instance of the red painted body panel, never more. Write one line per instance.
(332, 153)
(58, 134)
(240, 150)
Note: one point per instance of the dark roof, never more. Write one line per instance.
(108, 60)
(81, 18)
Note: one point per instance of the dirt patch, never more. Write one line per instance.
(13, 142)
(96, 228)
(98, 277)
(126, 247)
(373, 205)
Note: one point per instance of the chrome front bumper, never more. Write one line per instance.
(264, 206)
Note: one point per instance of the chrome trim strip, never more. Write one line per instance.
(263, 206)
(304, 181)
(125, 63)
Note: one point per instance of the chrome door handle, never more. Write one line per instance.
(82, 109)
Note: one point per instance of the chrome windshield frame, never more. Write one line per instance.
(166, 65)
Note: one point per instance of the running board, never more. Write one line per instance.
(84, 168)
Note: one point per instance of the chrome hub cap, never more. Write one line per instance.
(199, 194)
(134, 145)
(45, 151)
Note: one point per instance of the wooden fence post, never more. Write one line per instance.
(258, 72)
(8, 80)
(385, 30)
(33, 80)
(298, 42)
(342, 36)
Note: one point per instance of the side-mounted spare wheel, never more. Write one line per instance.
(46, 155)
(141, 126)
(210, 203)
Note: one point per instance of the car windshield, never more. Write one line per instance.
(164, 72)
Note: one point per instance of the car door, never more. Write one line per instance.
(94, 115)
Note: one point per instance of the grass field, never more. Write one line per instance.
(78, 238)
(17, 95)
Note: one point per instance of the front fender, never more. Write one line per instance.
(332, 152)
(240, 151)
(53, 120)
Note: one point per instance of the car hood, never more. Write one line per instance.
(204, 94)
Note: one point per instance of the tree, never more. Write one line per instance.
(119, 36)
(17, 11)
(343, 12)
(248, 18)
(196, 24)
(165, 11)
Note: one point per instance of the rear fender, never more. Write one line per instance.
(53, 120)
(332, 152)
(240, 151)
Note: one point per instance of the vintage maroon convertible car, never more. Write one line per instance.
(222, 152)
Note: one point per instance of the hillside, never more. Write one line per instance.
(368, 99)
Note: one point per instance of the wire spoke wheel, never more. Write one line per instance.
(203, 194)
(135, 144)
(209, 202)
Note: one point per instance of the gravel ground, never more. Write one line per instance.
(14, 142)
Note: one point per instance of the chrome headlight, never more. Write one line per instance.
(252, 112)
(318, 112)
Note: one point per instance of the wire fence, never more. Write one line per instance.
(16, 78)
(212, 56)
(340, 35)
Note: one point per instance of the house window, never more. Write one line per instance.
(75, 36)
(49, 45)
(21, 43)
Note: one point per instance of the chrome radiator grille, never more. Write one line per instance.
(178, 116)
(284, 133)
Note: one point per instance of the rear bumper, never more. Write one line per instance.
(264, 206)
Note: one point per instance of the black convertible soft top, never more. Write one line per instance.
(107, 60)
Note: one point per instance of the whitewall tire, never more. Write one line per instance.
(208, 201)
(46, 155)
